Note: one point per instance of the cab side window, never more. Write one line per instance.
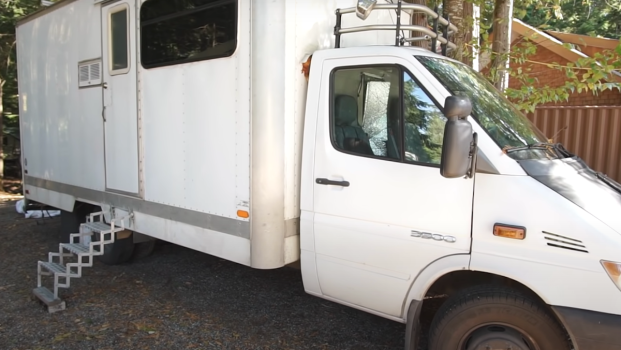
(383, 112)
(423, 124)
(362, 121)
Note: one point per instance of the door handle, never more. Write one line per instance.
(323, 181)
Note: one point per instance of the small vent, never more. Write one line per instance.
(95, 71)
(84, 74)
(558, 241)
(90, 73)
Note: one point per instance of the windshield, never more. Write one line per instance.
(501, 120)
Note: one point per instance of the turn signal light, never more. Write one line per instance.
(243, 214)
(614, 271)
(508, 231)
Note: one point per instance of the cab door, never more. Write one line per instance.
(382, 211)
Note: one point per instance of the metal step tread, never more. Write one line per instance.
(47, 297)
(98, 226)
(53, 267)
(75, 248)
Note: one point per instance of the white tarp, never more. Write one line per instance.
(34, 214)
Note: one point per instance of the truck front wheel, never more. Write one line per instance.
(490, 317)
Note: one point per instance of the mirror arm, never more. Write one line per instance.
(474, 149)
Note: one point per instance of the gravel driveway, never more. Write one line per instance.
(174, 299)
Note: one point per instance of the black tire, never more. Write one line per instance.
(70, 221)
(143, 249)
(494, 317)
(118, 252)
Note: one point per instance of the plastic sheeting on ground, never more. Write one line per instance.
(34, 214)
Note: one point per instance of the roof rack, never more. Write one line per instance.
(434, 35)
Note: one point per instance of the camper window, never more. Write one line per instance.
(182, 31)
(119, 43)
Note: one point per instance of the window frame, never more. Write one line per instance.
(116, 9)
(187, 12)
(401, 141)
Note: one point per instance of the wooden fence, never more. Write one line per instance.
(592, 133)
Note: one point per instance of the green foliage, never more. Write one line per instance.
(588, 74)
(587, 17)
(10, 12)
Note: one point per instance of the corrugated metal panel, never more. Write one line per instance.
(592, 133)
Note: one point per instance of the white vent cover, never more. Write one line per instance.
(89, 73)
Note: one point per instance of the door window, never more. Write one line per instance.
(119, 40)
(364, 120)
(383, 112)
(423, 124)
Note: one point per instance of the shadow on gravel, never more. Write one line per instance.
(174, 299)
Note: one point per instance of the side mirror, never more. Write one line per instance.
(364, 8)
(458, 138)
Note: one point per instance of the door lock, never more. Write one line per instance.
(104, 85)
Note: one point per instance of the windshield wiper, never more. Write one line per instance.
(557, 148)
(608, 181)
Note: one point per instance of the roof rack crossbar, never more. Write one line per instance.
(434, 34)
(428, 32)
(405, 7)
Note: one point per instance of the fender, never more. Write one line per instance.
(413, 301)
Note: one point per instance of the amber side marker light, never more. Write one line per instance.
(509, 231)
(243, 214)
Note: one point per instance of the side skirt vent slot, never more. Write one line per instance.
(558, 241)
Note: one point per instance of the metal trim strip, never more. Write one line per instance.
(203, 220)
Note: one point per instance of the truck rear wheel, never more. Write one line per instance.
(490, 317)
(118, 252)
(70, 221)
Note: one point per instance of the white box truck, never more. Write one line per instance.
(267, 132)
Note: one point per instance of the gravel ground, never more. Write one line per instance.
(174, 299)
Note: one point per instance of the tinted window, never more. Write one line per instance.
(181, 31)
(118, 42)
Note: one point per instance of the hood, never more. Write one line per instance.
(588, 189)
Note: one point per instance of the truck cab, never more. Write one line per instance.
(524, 240)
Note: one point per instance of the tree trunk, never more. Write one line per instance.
(454, 9)
(419, 19)
(1, 137)
(467, 29)
(500, 45)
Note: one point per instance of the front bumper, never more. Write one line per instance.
(590, 330)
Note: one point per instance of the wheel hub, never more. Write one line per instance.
(495, 337)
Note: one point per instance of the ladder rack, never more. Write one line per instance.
(433, 35)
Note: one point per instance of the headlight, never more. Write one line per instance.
(614, 271)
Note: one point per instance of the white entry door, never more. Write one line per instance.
(120, 105)
(382, 211)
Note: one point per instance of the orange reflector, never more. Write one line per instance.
(508, 231)
(614, 269)
(243, 214)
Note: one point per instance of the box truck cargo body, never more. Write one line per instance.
(270, 132)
